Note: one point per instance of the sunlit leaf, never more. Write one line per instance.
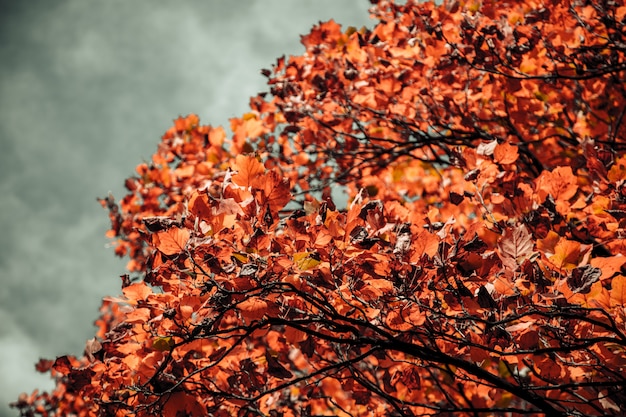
(505, 153)
(172, 241)
(306, 260)
(248, 169)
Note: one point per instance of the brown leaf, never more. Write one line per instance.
(44, 365)
(516, 244)
(62, 365)
(275, 368)
(159, 223)
(92, 347)
(582, 278)
(485, 300)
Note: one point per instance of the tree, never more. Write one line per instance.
(477, 269)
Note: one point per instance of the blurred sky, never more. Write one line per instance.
(87, 88)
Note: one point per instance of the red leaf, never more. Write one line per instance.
(199, 206)
(548, 368)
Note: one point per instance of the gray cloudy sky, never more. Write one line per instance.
(86, 90)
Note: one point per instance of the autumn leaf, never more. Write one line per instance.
(549, 369)
(44, 365)
(376, 288)
(62, 365)
(609, 266)
(138, 315)
(253, 308)
(306, 260)
(248, 169)
(566, 254)
(163, 344)
(618, 291)
(228, 207)
(505, 153)
(597, 297)
(200, 206)
(559, 183)
(181, 401)
(137, 291)
(275, 368)
(172, 241)
(516, 245)
(276, 192)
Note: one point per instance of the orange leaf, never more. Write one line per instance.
(375, 288)
(275, 191)
(598, 296)
(138, 315)
(425, 243)
(618, 291)
(62, 365)
(253, 308)
(367, 99)
(505, 153)
(199, 206)
(608, 266)
(559, 183)
(504, 286)
(182, 403)
(136, 292)
(548, 368)
(248, 170)
(172, 241)
(566, 254)
(322, 239)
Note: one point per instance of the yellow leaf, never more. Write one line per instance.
(241, 257)
(306, 260)
(503, 369)
(163, 344)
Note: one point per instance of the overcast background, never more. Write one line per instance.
(87, 88)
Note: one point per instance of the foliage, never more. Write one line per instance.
(478, 268)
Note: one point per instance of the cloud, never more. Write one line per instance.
(86, 91)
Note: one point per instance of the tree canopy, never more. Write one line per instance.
(474, 268)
